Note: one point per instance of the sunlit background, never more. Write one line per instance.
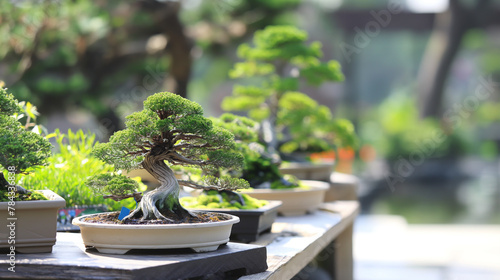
(422, 82)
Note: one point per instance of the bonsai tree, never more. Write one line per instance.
(279, 59)
(260, 170)
(21, 148)
(169, 131)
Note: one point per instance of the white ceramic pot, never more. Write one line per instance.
(119, 239)
(308, 170)
(297, 201)
(35, 224)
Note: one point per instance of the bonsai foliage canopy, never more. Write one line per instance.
(170, 129)
(20, 149)
(278, 61)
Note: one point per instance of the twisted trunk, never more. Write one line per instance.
(4, 185)
(164, 200)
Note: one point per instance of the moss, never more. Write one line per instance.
(214, 200)
(34, 195)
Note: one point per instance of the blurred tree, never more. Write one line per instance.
(444, 44)
(103, 55)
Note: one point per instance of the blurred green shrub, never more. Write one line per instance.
(395, 130)
(274, 66)
(68, 170)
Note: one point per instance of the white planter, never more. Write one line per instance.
(308, 170)
(119, 239)
(35, 226)
(296, 201)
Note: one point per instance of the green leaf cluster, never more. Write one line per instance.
(114, 184)
(69, 168)
(8, 104)
(19, 148)
(281, 59)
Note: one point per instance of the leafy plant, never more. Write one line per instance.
(216, 200)
(169, 129)
(68, 169)
(261, 168)
(290, 120)
(21, 150)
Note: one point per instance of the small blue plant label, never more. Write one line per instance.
(125, 211)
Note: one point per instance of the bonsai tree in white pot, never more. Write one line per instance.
(170, 130)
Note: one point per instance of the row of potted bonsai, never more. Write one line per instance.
(159, 216)
(172, 141)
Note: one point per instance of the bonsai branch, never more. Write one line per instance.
(194, 185)
(137, 196)
(179, 158)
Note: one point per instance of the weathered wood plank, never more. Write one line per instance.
(296, 241)
(292, 243)
(70, 260)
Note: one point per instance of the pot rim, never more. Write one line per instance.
(314, 186)
(78, 221)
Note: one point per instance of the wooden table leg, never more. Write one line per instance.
(337, 257)
(344, 268)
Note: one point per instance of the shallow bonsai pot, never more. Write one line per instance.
(35, 226)
(252, 222)
(297, 201)
(119, 239)
(308, 170)
(342, 187)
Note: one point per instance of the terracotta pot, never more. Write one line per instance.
(119, 239)
(308, 170)
(296, 201)
(35, 226)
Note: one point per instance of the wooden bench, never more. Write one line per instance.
(292, 243)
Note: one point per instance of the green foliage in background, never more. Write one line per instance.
(66, 53)
(395, 130)
(22, 148)
(215, 200)
(275, 65)
(69, 168)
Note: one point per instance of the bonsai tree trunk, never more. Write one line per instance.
(3, 183)
(165, 198)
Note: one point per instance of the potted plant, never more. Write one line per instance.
(66, 172)
(170, 129)
(264, 176)
(256, 216)
(292, 123)
(31, 215)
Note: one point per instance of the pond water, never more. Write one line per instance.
(467, 192)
